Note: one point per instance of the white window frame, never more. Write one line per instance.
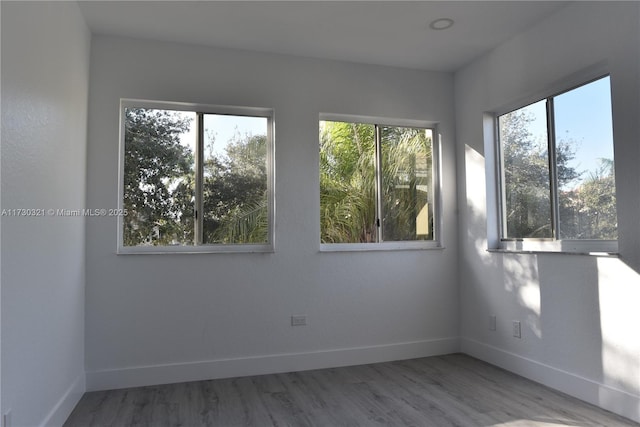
(436, 242)
(495, 171)
(198, 247)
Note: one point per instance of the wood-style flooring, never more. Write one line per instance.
(451, 390)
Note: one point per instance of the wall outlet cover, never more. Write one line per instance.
(298, 320)
(516, 329)
(492, 323)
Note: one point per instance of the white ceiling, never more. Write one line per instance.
(394, 33)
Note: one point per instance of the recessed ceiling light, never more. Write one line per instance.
(441, 24)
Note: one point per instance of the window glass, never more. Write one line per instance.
(159, 177)
(406, 184)
(347, 182)
(235, 179)
(195, 178)
(525, 160)
(376, 183)
(557, 167)
(584, 152)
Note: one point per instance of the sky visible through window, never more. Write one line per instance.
(582, 115)
(223, 129)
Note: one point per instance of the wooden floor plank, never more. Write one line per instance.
(443, 391)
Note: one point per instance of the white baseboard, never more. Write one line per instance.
(267, 364)
(61, 411)
(604, 396)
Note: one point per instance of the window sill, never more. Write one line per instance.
(543, 252)
(601, 248)
(385, 246)
(204, 249)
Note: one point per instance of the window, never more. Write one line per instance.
(376, 183)
(557, 168)
(195, 178)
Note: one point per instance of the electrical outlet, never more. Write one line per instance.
(516, 329)
(298, 320)
(492, 323)
(6, 419)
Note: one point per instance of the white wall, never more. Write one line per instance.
(45, 77)
(579, 313)
(161, 318)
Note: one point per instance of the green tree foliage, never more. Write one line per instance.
(348, 182)
(406, 183)
(589, 211)
(526, 178)
(587, 207)
(159, 185)
(158, 188)
(235, 193)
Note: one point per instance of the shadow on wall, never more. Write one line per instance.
(579, 313)
(475, 216)
(522, 284)
(570, 314)
(478, 263)
(619, 296)
(589, 320)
